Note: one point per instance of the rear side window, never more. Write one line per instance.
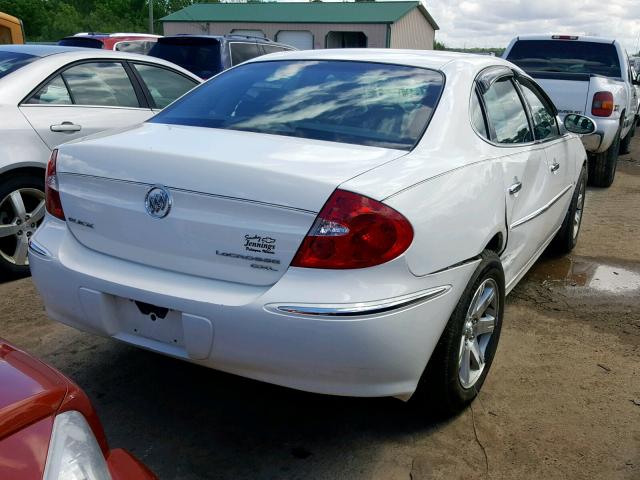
(12, 61)
(134, 46)
(198, 55)
(506, 113)
(100, 84)
(241, 52)
(53, 93)
(164, 85)
(477, 116)
(81, 42)
(544, 120)
(350, 102)
(274, 49)
(566, 56)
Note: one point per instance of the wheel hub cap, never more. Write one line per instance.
(21, 212)
(477, 331)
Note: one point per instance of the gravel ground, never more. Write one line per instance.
(562, 399)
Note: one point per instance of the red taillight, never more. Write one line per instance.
(353, 231)
(602, 104)
(564, 37)
(52, 195)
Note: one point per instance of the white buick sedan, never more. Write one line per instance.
(341, 221)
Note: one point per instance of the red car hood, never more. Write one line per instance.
(29, 390)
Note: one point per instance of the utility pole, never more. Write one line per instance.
(150, 16)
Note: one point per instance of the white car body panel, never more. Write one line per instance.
(571, 96)
(452, 187)
(20, 145)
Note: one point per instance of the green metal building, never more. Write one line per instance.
(313, 25)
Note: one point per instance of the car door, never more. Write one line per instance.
(82, 99)
(557, 150)
(161, 84)
(525, 171)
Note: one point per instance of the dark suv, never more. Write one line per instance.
(207, 55)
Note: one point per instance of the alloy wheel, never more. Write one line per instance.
(20, 214)
(477, 331)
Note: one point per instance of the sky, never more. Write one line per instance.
(493, 23)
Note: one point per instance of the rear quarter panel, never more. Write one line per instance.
(450, 187)
(454, 216)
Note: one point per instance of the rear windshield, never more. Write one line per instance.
(198, 55)
(566, 56)
(81, 42)
(12, 61)
(350, 102)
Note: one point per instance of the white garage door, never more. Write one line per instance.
(302, 40)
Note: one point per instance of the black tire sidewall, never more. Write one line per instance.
(440, 384)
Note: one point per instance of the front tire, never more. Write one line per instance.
(602, 166)
(462, 359)
(22, 209)
(567, 237)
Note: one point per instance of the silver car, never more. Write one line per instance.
(50, 95)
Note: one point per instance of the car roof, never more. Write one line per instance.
(432, 59)
(218, 37)
(579, 38)
(37, 50)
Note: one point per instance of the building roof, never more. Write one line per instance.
(302, 12)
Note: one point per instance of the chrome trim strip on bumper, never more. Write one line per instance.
(38, 249)
(363, 308)
(543, 209)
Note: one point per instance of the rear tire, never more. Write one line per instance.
(21, 206)
(602, 166)
(625, 145)
(462, 359)
(567, 237)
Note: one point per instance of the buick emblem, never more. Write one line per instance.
(158, 202)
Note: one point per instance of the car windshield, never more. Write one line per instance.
(81, 42)
(566, 56)
(350, 102)
(12, 61)
(198, 55)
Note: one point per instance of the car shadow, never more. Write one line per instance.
(190, 422)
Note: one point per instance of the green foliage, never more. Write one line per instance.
(50, 20)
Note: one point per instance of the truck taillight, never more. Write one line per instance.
(564, 37)
(354, 231)
(602, 104)
(52, 194)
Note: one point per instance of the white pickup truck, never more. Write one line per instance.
(588, 76)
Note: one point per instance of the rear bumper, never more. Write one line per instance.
(283, 334)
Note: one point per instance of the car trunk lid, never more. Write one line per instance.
(241, 202)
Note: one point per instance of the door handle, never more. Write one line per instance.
(554, 167)
(515, 188)
(67, 127)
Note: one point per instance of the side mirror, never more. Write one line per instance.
(579, 124)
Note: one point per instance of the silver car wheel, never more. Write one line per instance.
(20, 214)
(476, 332)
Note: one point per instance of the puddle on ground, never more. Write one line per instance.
(593, 274)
